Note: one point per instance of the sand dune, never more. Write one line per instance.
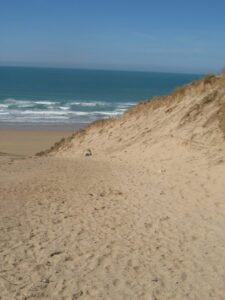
(128, 208)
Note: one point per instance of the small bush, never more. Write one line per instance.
(209, 78)
(180, 91)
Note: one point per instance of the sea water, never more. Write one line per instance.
(51, 95)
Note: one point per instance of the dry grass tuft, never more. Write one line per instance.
(221, 117)
(209, 79)
(56, 146)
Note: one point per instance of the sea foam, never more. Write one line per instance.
(70, 111)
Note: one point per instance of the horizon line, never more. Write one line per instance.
(98, 69)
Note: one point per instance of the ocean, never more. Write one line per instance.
(67, 96)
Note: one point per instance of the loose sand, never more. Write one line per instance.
(132, 208)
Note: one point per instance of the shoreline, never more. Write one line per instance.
(41, 126)
(28, 139)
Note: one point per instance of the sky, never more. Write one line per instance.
(160, 35)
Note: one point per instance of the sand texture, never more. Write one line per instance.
(131, 208)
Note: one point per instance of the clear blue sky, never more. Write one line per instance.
(159, 35)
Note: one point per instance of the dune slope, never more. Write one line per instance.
(191, 115)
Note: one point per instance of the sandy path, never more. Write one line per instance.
(95, 229)
(51, 230)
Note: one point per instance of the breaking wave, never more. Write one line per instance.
(45, 111)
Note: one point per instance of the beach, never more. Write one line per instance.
(27, 140)
(126, 208)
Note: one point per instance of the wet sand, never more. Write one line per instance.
(30, 139)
